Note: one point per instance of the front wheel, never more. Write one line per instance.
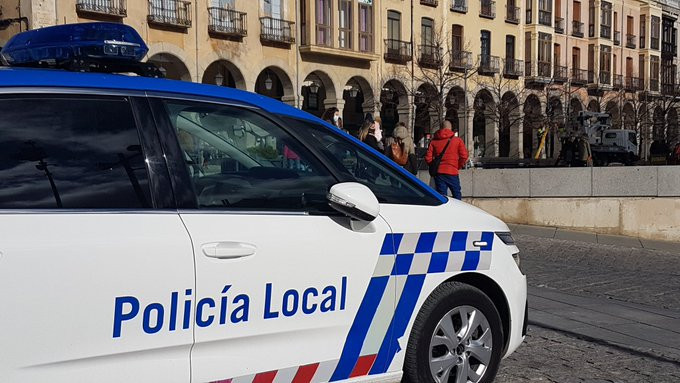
(456, 338)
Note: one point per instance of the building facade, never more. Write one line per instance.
(503, 73)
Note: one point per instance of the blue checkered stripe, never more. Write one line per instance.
(434, 252)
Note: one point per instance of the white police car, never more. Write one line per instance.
(154, 230)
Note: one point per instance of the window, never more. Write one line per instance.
(591, 19)
(237, 159)
(529, 13)
(557, 54)
(427, 32)
(393, 25)
(486, 44)
(354, 164)
(365, 27)
(72, 153)
(654, 68)
(577, 11)
(510, 48)
(345, 27)
(606, 20)
(629, 67)
(605, 64)
(655, 32)
(641, 67)
(576, 58)
(323, 22)
(545, 12)
(643, 32)
(457, 38)
(272, 8)
(630, 25)
(544, 47)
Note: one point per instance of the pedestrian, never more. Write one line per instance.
(446, 154)
(585, 155)
(378, 132)
(367, 135)
(424, 141)
(331, 116)
(341, 125)
(402, 149)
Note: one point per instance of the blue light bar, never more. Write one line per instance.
(69, 42)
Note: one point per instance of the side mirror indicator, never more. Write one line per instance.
(354, 200)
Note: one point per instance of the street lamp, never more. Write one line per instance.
(353, 92)
(268, 83)
(219, 79)
(314, 87)
(163, 71)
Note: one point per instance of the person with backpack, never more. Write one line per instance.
(402, 150)
(445, 156)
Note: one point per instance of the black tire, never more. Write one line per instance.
(443, 300)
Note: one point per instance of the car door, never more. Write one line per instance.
(285, 286)
(89, 260)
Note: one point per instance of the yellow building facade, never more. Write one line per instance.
(500, 71)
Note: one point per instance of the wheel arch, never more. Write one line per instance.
(489, 287)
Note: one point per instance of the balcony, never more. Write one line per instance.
(512, 14)
(577, 28)
(459, 6)
(579, 77)
(633, 84)
(512, 68)
(617, 84)
(429, 56)
(559, 25)
(461, 61)
(591, 77)
(227, 22)
(605, 31)
(617, 38)
(668, 89)
(545, 18)
(430, 3)
(277, 31)
(172, 13)
(397, 51)
(487, 9)
(489, 65)
(605, 77)
(114, 8)
(654, 85)
(668, 49)
(654, 43)
(560, 74)
(630, 41)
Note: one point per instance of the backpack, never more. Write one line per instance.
(399, 155)
(433, 168)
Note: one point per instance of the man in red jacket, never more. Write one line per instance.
(454, 158)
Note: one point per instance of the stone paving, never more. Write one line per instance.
(644, 279)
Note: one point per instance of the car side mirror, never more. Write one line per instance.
(354, 200)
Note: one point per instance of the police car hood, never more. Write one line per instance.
(454, 215)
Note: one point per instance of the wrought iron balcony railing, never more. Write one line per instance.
(277, 30)
(116, 8)
(605, 77)
(398, 51)
(227, 22)
(668, 89)
(630, 41)
(654, 43)
(544, 69)
(579, 77)
(591, 77)
(460, 61)
(560, 74)
(633, 84)
(489, 65)
(654, 85)
(176, 13)
(487, 9)
(577, 28)
(617, 84)
(559, 24)
(430, 56)
(545, 18)
(513, 68)
(512, 14)
(605, 31)
(459, 6)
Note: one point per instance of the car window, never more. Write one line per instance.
(610, 135)
(238, 159)
(359, 165)
(65, 152)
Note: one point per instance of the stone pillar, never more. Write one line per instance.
(338, 103)
(470, 137)
(404, 112)
(491, 136)
(435, 121)
(519, 140)
(290, 100)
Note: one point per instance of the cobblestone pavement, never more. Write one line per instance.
(640, 276)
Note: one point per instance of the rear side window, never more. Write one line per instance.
(358, 165)
(65, 152)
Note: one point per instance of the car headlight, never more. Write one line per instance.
(515, 256)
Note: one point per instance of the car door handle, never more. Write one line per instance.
(228, 250)
(480, 244)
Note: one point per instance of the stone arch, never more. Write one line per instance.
(484, 125)
(628, 116)
(428, 111)
(575, 106)
(612, 107)
(171, 66)
(509, 136)
(455, 111)
(533, 119)
(175, 54)
(358, 97)
(224, 73)
(394, 105)
(593, 106)
(274, 82)
(318, 92)
(555, 114)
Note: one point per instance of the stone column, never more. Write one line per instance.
(518, 147)
(404, 112)
(491, 135)
(470, 137)
(338, 103)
